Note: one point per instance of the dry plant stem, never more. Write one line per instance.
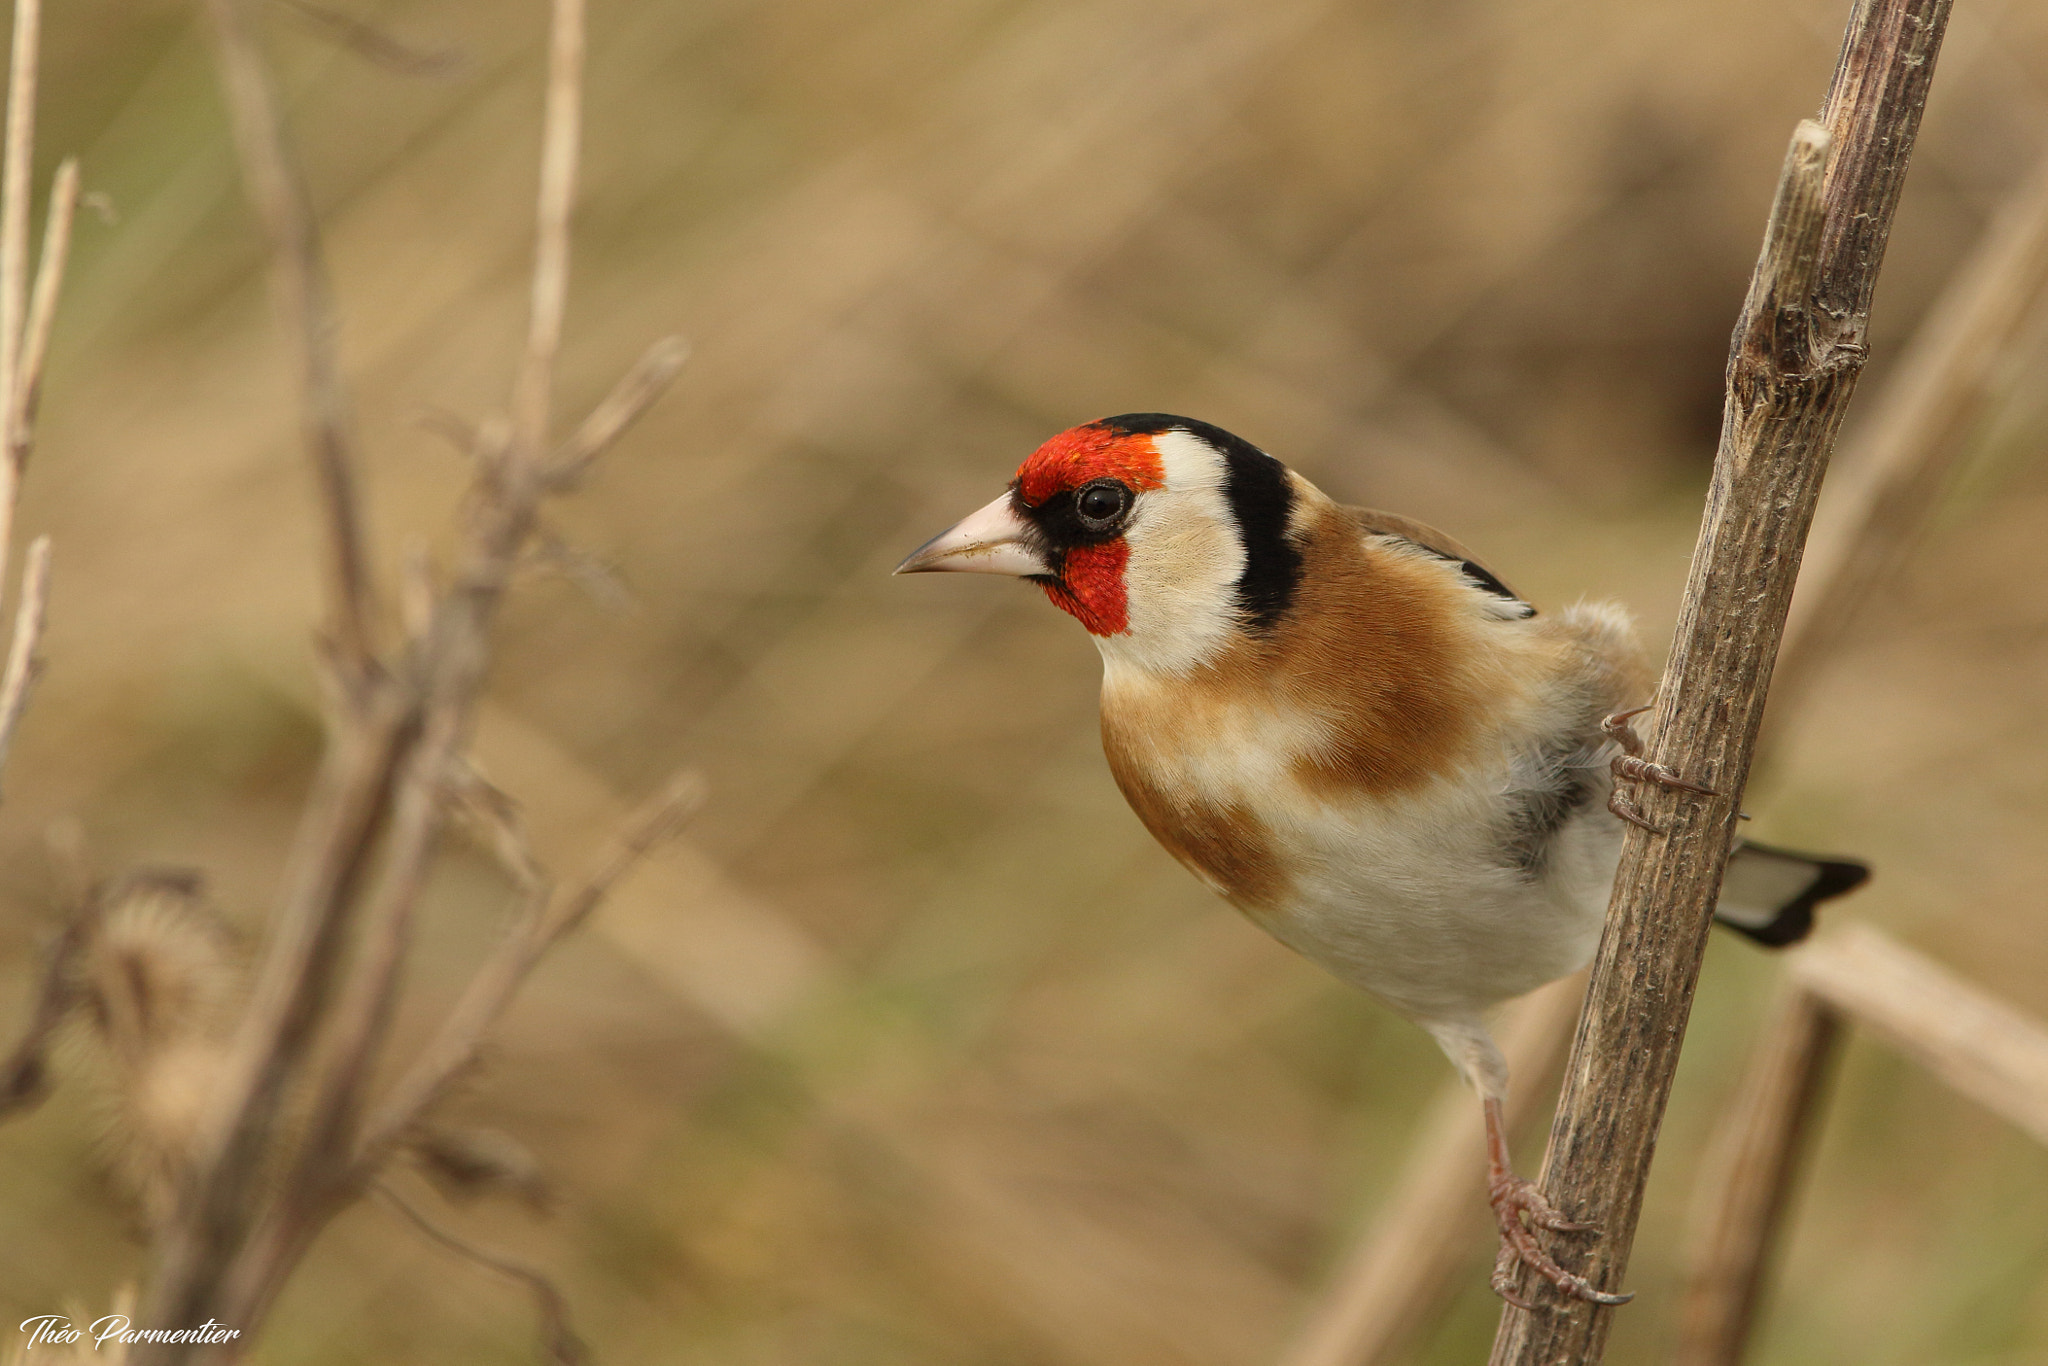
(42, 307)
(1743, 1195)
(631, 397)
(295, 983)
(23, 664)
(24, 1076)
(1972, 1042)
(451, 663)
(1888, 484)
(1877, 507)
(325, 1180)
(1797, 351)
(280, 200)
(1395, 1280)
(238, 1248)
(373, 44)
(14, 203)
(562, 127)
(557, 1333)
(545, 921)
(14, 192)
(1881, 500)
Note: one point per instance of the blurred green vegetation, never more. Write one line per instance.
(920, 1051)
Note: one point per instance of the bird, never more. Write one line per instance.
(1348, 727)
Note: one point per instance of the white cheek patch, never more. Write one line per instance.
(1180, 583)
(1191, 464)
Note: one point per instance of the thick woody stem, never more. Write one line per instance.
(1797, 352)
(1889, 482)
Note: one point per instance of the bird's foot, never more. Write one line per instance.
(1520, 1208)
(1631, 767)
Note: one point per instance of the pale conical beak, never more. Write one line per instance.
(994, 540)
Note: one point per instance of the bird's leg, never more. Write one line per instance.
(1520, 1208)
(1631, 767)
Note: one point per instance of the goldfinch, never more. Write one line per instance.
(1354, 732)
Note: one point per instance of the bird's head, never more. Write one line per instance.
(1160, 534)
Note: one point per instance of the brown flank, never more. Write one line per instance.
(1225, 845)
(1377, 645)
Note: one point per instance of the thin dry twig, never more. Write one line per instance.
(42, 308)
(498, 819)
(1798, 349)
(14, 205)
(1968, 1039)
(628, 401)
(24, 665)
(14, 191)
(455, 429)
(24, 1076)
(373, 44)
(597, 577)
(469, 1164)
(299, 268)
(321, 1016)
(557, 1334)
(1746, 1187)
(544, 921)
(451, 663)
(562, 126)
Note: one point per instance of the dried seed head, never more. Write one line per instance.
(159, 969)
(157, 1124)
(158, 981)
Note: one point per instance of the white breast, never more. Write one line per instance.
(1412, 900)
(1410, 897)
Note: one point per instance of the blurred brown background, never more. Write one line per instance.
(919, 1051)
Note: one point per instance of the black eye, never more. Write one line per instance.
(1102, 504)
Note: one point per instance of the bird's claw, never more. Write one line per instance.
(1517, 1205)
(1628, 811)
(1631, 767)
(1617, 727)
(1504, 1266)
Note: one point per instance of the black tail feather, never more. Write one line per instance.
(1769, 894)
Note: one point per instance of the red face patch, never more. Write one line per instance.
(1074, 457)
(1091, 582)
(1091, 587)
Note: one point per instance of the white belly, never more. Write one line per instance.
(1412, 900)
